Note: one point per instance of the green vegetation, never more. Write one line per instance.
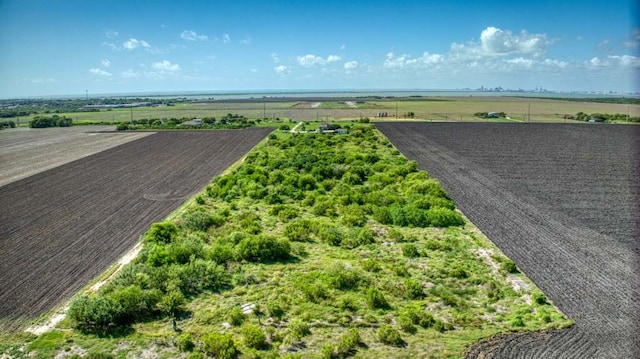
(50, 121)
(316, 245)
(604, 117)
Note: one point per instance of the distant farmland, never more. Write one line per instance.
(563, 202)
(432, 108)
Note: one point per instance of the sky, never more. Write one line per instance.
(70, 47)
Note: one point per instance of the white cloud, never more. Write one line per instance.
(625, 60)
(166, 66)
(520, 61)
(111, 34)
(281, 70)
(351, 65)
(105, 63)
(100, 72)
(246, 40)
(226, 38)
(426, 60)
(312, 60)
(498, 42)
(634, 40)
(132, 44)
(275, 58)
(190, 35)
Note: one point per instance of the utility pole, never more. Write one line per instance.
(396, 110)
(264, 110)
(529, 114)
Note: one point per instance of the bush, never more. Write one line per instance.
(539, 298)
(263, 249)
(220, 253)
(348, 344)
(275, 310)
(298, 231)
(409, 250)
(299, 329)
(406, 324)
(185, 343)
(331, 235)
(97, 315)
(389, 335)
(443, 217)
(122, 126)
(220, 346)
(198, 221)
(253, 337)
(382, 215)
(161, 232)
(344, 277)
(371, 265)
(413, 289)
(236, 316)
(509, 266)
(375, 299)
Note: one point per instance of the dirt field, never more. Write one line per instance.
(25, 152)
(62, 227)
(563, 202)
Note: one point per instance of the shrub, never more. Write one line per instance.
(413, 289)
(348, 343)
(298, 231)
(236, 316)
(198, 221)
(172, 303)
(539, 298)
(220, 253)
(298, 328)
(98, 315)
(353, 216)
(458, 272)
(406, 324)
(509, 266)
(371, 265)
(263, 249)
(220, 346)
(274, 309)
(409, 250)
(517, 322)
(185, 343)
(397, 215)
(345, 277)
(331, 235)
(253, 337)
(419, 317)
(389, 335)
(375, 299)
(443, 217)
(161, 232)
(382, 215)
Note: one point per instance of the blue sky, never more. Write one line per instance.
(64, 47)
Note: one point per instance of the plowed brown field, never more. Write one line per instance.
(563, 202)
(62, 227)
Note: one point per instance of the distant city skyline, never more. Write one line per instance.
(55, 47)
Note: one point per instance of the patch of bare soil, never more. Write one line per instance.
(27, 151)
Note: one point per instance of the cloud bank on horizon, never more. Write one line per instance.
(56, 48)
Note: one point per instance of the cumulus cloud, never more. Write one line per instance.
(498, 42)
(132, 44)
(191, 35)
(166, 66)
(226, 38)
(100, 72)
(312, 60)
(351, 65)
(105, 63)
(281, 70)
(394, 62)
(634, 40)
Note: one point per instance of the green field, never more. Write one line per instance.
(430, 109)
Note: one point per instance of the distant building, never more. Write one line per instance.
(493, 115)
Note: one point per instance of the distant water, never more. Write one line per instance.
(229, 95)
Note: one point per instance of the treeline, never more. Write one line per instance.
(229, 121)
(7, 124)
(52, 121)
(603, 117)
(27, 107)
(330, 189)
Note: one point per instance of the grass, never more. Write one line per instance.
(347, 287)
(444, 109)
